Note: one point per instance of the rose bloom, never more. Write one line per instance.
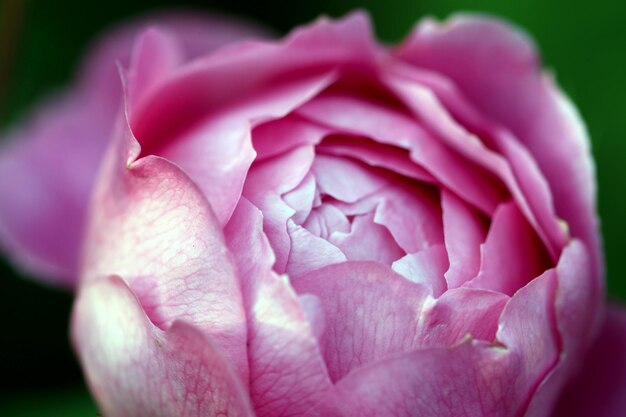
(320, 225)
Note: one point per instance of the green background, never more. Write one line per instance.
(581, 41)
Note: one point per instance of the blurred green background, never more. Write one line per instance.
(581, 41)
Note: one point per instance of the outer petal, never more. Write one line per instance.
(578, 307)
(600, 389)
(48, 166)
(520, 171)
(499, 72)
(202, 116)
(136, 369)
(152, 225)
(218, 152)
(45, 187)
(467, 380)
(287, 372)
(438, 119)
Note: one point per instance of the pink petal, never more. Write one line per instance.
(512, 254)
(367, 241)
(467, 380)
(376, 155)
(153, 227)
(347, 113)
(437, 118)
(45, 189)
(461, 313)
(196, 34)
(205, 110)
(425, 267)
(314, 313)
(600, 389)
(154, 56)
(325, 220)
(309, 252)
(412, 214)
(218, 152)
(45, 186)
(409, 211)
(267, 181)
(521, 98)
(302, 198)
(464, 230)
(136, 369)
(285, 134)
(520, 172)
(345, 179)
(371, 312)
(287, 372)
(578, 313)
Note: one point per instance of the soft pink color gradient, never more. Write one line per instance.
(49, 164)
(321, 225)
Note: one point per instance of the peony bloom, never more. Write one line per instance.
(321, 225)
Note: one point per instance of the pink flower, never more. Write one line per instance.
(321, 225)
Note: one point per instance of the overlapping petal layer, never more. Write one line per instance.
(135, 368)
(415, 245)
(323, 226)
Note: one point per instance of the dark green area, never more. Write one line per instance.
(52, 402)
(581, 41)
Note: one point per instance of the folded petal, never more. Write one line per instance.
(267, 181)
(374, 154)
(464, 232)
(287, 371)
(348, 113)
(344, 179)
(512, 254)
(412, 214)
(285, 134)
(425, 267)
(136, 369)
(217, 152)
(518, 95)
(600, 389)
(461, 313)
(326, 219)
(309, 252)
(152, 225)
(202, 116)
(367, 241)
(578, 308)
(439, 120)
(470, 379)
(410, 211)
(518, 169)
